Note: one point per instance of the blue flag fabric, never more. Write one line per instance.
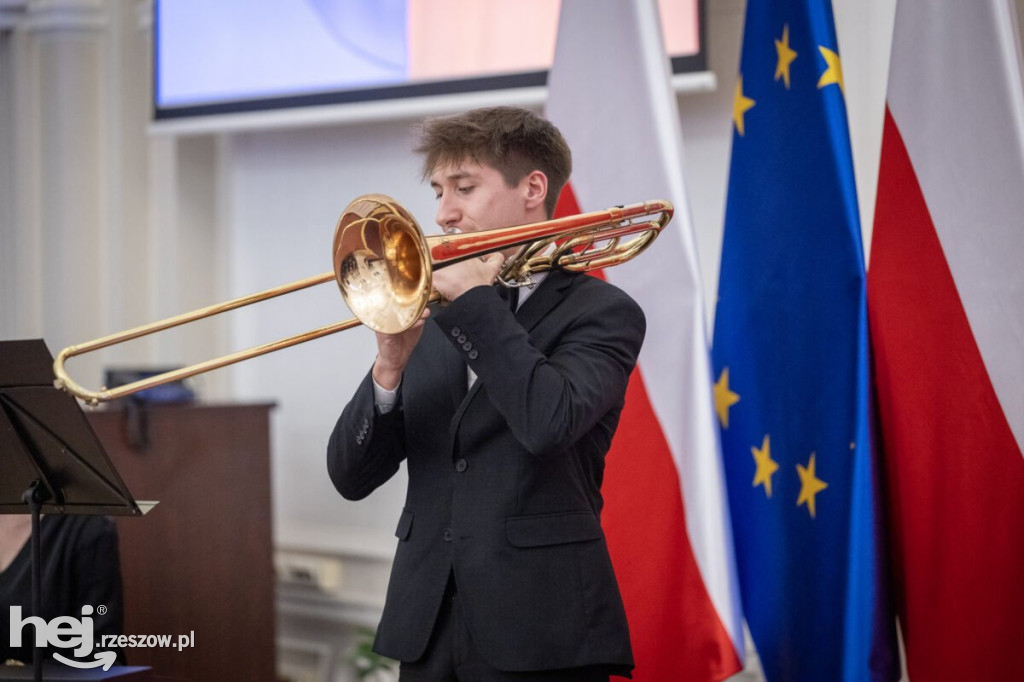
(791, 358)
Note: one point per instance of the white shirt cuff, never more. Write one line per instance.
(383, 398)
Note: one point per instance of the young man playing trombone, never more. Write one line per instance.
(503, 416)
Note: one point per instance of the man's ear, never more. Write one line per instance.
(536, 187)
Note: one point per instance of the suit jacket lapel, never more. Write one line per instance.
(548, 295)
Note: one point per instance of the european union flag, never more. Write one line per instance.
(791, 362)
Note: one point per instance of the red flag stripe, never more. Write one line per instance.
(955, 473)
(645, 523)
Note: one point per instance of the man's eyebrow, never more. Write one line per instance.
(453, 177)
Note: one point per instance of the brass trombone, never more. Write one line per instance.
(383, 266)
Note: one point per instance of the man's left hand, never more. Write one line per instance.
(454, 280)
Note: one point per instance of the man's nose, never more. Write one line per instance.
(447, 213)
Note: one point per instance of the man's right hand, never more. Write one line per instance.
(393, 351)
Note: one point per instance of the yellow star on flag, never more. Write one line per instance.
(724, 398)
(810, 485)
(786, 56)
(833, 72)
(766, 466)
(740, 105)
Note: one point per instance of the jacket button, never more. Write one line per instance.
(461, 465)
(473, 354)
(447, 534)
(467, 346)
(456, 331)
(461, 338)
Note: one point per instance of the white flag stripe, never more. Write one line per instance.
(620, 168)
(972, 183)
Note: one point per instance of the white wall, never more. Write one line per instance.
(286, 191)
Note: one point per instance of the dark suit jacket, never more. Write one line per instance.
(504, 480)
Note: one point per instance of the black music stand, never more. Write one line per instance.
(51, 461)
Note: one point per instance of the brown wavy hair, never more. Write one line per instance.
(511, 140)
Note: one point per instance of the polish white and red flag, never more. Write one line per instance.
(946, 303)
(666, 512)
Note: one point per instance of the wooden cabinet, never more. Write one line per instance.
(201, 562)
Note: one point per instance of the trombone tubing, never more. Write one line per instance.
(64, 381)
(444, 250)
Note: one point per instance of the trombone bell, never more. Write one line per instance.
(381, 263)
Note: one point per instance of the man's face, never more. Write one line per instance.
(473, 197)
